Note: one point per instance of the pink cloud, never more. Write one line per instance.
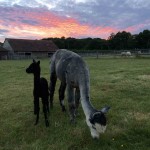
(47, 24)
(138, 27)
(37, 23)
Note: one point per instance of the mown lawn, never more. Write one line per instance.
(123, 84)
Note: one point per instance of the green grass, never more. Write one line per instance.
(123, 84)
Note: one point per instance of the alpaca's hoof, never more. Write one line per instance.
(48, 113)
(77, 114)
(35, 123)
(73, 121)
(47, 124)
(63, 109)
(47, 110)
(51, 105)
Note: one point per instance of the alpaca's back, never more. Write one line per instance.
(71, 64)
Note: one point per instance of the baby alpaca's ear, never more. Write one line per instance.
(105, 109)
(38, 62)
(34, 61)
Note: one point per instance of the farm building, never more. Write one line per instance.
(3, 53)
(24, 48)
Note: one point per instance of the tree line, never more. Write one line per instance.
(119, 41)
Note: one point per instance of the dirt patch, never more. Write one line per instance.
(144, 77)
(139, 116)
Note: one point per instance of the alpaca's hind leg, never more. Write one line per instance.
(61, 95)
(53, 80)
(36, 105)
(77, 100)
(47, 105)
(71, 102)
(44, 101)
(37, 109)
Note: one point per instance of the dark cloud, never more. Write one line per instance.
(30, 22)
(117, 13)
(94, 14)
(18, 14)
(3, 31)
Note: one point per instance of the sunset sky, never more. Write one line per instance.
(37, 19)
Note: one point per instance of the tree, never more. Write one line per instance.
(143, 39)
(120, 40)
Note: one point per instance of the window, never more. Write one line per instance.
(27, 53)
(50, 54)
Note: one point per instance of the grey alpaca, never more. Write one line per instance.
(73, 73)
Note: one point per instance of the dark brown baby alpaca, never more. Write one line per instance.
(40, 91)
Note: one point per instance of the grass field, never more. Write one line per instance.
(123, 84)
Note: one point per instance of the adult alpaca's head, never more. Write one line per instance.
(97, 122)
(34, 68)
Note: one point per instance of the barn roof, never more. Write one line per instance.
(25, 45)
(3, 49)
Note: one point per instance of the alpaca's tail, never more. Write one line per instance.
(48, 91)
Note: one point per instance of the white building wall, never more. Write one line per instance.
(7, 46)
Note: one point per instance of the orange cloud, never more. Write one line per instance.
(36, 25)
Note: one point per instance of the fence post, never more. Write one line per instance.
(97, 54)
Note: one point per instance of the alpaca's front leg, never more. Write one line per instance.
(62, 95)
(45, 112)
(37, 109)
(71, 102)
(53, 79)
(77, 100)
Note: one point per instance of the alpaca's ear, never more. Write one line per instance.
(105, 109)
(95, 116)
(38, 62)
(34, 61)
(91, 120)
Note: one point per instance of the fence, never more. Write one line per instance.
(112, 53)
(91, 53)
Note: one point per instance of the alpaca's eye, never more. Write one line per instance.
(93, 127)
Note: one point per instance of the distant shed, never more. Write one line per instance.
(3, 53)
(29, 48)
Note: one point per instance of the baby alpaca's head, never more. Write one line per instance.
(34, 67)
(97, 122)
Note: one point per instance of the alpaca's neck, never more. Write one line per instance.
(36, 81)
(85, 100)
